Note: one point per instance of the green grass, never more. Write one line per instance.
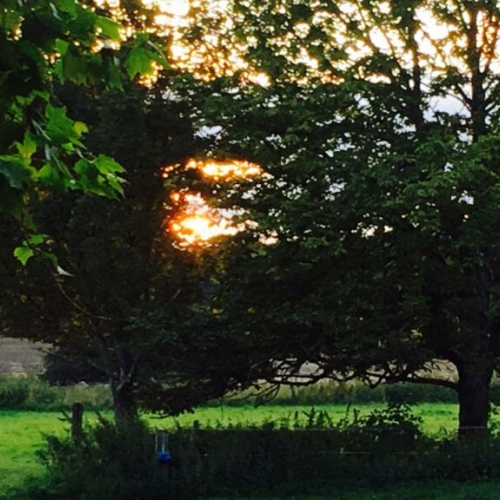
(22, 435)
(22, 432)
(439, 418)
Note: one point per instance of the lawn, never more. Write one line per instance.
(22, 432)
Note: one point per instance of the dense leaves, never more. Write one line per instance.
(117, 264)
(41, 146)
(378, 135)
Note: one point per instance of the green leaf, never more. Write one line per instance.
(14, 171)
(61, 129)
(74, 67)
(37, 239)
(80, 128)
(49, 176)
(23, 254)
(139, 62)
(28, 147)
(9, 19)
(114, 76)
(61, 46)
(157, 55)
(67, 6)
(82, 165)
(109, 28)
(107, 165)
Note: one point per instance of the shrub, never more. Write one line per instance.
(14, 392)
(354, 392)
(109, 461)
(31, 393)
(305, 453)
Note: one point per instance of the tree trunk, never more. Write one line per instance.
(473, 399)
(124, 405)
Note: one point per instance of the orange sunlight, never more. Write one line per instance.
(176, 8)
(195, 223)
(194, 229)
(227, 170)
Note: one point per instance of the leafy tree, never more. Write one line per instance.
(118, 265)
(378, 133)
(82, 48)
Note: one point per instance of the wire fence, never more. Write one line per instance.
(235, 459)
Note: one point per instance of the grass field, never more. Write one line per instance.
(22, 434)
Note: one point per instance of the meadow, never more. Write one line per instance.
(22, 433)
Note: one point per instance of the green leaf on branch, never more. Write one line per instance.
(15, 172)
(139, 62)
(61, 46)
(61, 129)
(37, 239)
(23, 254)
(107, 165)
(49, 176)
(28, 147)
(67, 6)
(109, 28)
(99, 176)
(144, 54)
(80, 128)
(74, 67)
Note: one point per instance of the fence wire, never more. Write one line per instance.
(211, 459)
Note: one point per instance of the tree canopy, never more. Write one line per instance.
(378, 135)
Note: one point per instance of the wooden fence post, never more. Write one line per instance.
(76, 422)
(194, 454)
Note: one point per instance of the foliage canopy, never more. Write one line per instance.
(379, 135)
(41, 148)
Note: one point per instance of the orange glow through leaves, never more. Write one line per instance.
(227, 170)
(194, 229)
(196, 224)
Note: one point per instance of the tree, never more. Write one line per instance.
(46, 50)
(378, 133)
(118, 265)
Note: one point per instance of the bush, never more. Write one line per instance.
(415, 393)
(354, 392)
(109, 462)
(14, 393)
(33, 394)
(303, 454)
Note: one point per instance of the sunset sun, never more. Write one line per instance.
(195, 223)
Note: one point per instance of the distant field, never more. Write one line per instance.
(22, 432)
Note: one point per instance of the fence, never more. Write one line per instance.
(212, 461)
